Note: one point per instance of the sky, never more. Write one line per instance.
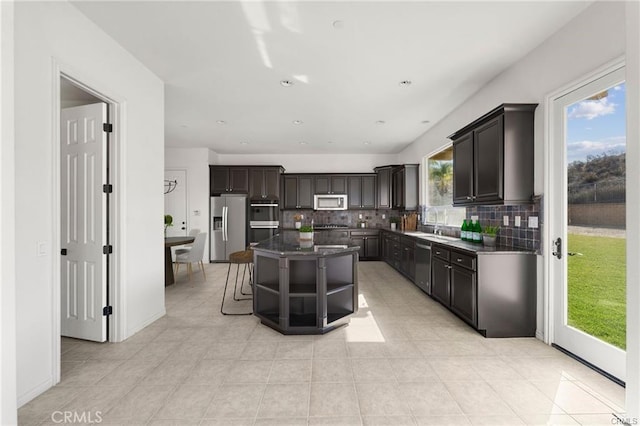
(597, 126)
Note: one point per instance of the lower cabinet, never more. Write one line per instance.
(463, 294)
(399, 252)
(369, 242)
(408, 262)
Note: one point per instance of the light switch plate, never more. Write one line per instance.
(533, 221)
(384, 216)
(517, 221)
(360, 216)
(42, 248)
(505, 220)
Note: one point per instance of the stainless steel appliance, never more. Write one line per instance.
(330, 202)
(228, 226)
(423, 266)
(263, 220)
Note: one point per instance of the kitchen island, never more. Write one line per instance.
(305, 286)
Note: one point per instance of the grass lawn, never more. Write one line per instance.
(597, 284)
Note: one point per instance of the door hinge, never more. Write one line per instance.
(107, 188)
(107, 127)
(63, 252)
(107, 249)
(107, 310)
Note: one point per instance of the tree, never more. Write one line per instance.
(441, 173)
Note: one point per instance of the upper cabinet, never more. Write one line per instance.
(297, 192)
(331, 184)
(404, 187)
(493, 157)
(361, 192)
(383, 186)
(228, 180)
(265, 183)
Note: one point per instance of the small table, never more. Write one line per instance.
(168, 260)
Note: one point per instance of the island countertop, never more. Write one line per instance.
(323, 244)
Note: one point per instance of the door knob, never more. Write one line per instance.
(558, 248)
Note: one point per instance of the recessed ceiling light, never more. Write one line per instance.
(338, 25)
(297, 122)
(184, 126)
(425, 122)
(405, 83)
(221, 122)
(286, 83)
(366, 143)
(303, 143)
(244, 143)
(329, 141)
(380, 122)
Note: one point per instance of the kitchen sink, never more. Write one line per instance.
(432, 237)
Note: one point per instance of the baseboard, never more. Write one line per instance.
(145, 323)
(36, 391)
(540, 335)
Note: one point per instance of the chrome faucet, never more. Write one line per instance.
(436, 227)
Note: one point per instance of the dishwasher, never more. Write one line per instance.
(423, 266)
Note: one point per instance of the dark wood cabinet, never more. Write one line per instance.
(408, 262)
(265, 183)
(440, 286)
(369, 242)
(404, 187)
(298, 192)
(383, 187)
(228, 180)
(330, 184)
(493, 157)
(463, 294)
(361, 192)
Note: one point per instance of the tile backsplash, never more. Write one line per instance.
(351, 218)
(509, 235)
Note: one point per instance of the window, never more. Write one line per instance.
(439, 190)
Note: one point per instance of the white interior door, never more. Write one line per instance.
(175, 202)
(83, 227)
(586, 199)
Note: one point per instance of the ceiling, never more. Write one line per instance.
(223, 63)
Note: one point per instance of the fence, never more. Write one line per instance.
(606, 191)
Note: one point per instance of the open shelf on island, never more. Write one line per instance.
(296, 289)
(334, 288)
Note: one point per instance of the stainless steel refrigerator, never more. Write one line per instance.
(228, 226)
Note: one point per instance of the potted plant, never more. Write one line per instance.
(297, 218)
(395, 220)
(168, 221)
(306, 232)
(489, 235)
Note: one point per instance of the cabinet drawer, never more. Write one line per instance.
(371, 233)
(338, 234)
(408, 241)
(441, 252)
(463, 260)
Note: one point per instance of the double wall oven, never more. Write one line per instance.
(263, 220)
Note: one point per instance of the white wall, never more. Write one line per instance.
(7, 223)
(592, 39)
(196, 163)
(314, 163)
(49, 34)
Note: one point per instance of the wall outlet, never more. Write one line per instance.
(384, 216)
(533, 221)
(360, 216)
(505, 220)
(517, 221)
(196, 212)
(474, 218)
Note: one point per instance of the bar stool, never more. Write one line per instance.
(238, 258)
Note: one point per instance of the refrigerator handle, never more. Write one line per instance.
(224, 223)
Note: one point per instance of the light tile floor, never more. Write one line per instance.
(403, 360)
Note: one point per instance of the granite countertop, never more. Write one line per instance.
(323, 244)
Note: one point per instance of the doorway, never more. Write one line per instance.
(587, 194)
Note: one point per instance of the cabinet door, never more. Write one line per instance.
(488, 161)
(238, 180)
(271, 187)
(384, 188)
(397, 188)
(354, 196)
(305, 192)
(338, 184)
(409, 261)
(361, 242)
(323, 185)
(372, 245)
(290, 192)
(440, 281)
(218, 180)
(368, 192)
(256, 184)
(463, 294)
(463, 169)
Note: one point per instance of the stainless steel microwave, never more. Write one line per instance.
(330, 202)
